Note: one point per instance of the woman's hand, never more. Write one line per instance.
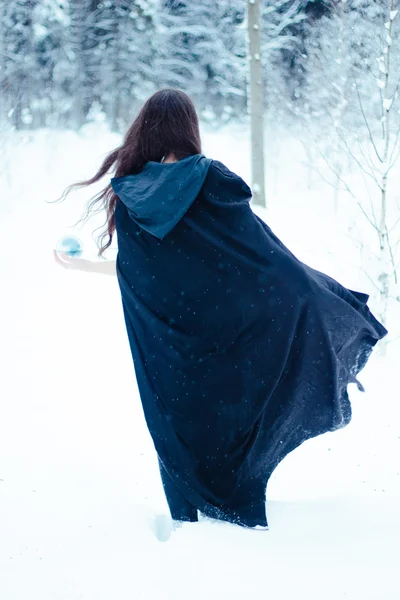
(108, 267)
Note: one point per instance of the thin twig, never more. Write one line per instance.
(368, 158)
(392, 258)
(350, 191)
(391, 162)
(394, 226)
(349, 150)
(371, 137)
(376, 286)
(394, 161)
(372, 208)
(396, 339)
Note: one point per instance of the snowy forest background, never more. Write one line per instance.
(331, 79)
(62, 62)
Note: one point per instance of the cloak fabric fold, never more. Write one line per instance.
(241, 351)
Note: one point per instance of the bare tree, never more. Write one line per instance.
(256, 102)
(375, 161)
(355, 118)
(387, 159)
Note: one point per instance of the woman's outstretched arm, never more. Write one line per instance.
(107, 267)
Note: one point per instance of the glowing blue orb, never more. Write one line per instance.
(70, 245)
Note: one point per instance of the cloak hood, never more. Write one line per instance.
(160, 195)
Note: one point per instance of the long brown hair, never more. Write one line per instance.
(167, 124)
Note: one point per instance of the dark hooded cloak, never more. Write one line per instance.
(241, 351)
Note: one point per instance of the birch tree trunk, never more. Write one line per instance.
(256, 102)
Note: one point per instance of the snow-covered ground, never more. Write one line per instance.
(79, 485)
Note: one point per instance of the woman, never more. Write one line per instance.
(241, 351)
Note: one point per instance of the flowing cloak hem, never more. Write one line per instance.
(178, 461)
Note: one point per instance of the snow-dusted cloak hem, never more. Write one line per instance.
(241, 351)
